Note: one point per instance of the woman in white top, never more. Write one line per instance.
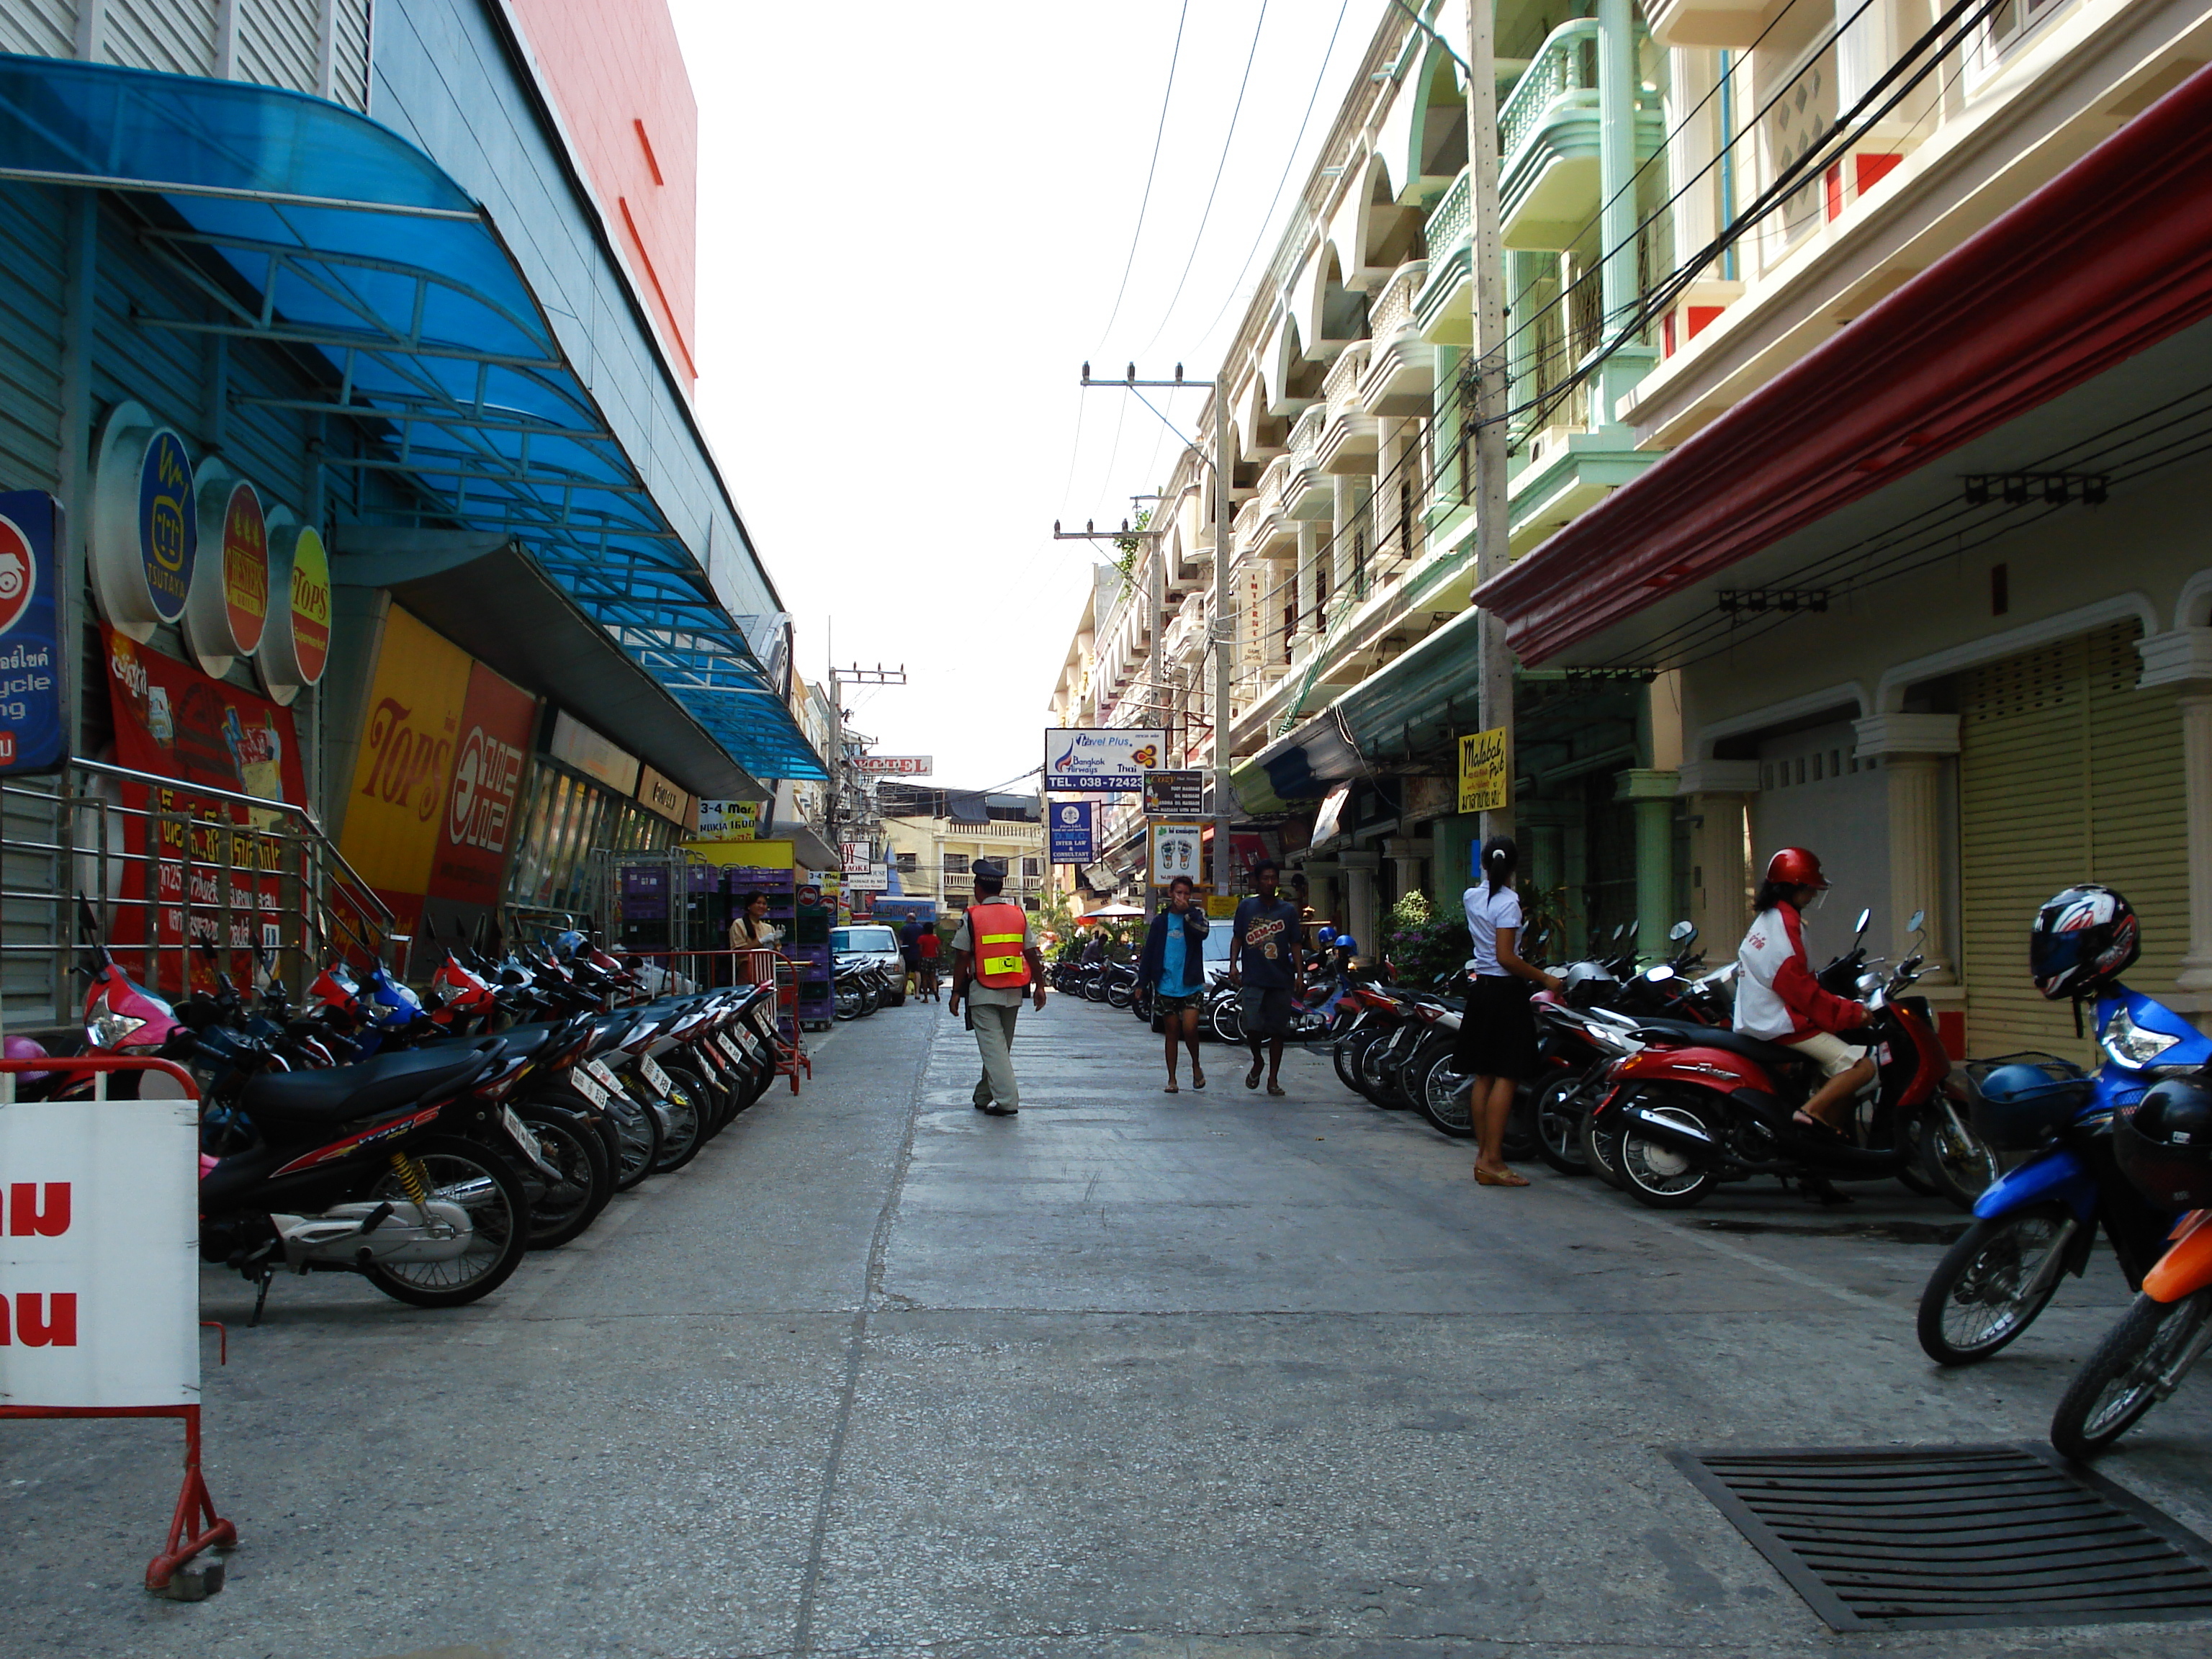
(750, 930)
(1497, 1034)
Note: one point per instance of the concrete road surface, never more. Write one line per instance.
(1129, 1374)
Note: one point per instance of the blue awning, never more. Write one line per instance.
(304, 224)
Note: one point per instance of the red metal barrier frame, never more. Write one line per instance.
(195, 1526)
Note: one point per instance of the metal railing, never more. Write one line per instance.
(159, 877)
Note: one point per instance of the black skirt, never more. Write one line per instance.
(1498, 1033)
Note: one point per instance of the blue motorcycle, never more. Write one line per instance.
(2039, 1221)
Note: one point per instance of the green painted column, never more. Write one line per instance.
(1451, 859)
(1652, 793)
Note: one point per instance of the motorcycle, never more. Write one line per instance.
(2039, 1221)
(1698, 1106)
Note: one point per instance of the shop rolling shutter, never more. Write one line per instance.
(2067, 773)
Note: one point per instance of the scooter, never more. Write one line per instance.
(1700, 1106)
(2039, 1221)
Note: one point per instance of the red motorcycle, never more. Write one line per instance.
(1701, 1105)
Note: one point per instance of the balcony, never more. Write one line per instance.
(1307, 492)
(1400, 374)
(1549, 180)
(1349, 437)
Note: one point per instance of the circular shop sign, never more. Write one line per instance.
(145, 529)
(228, 611)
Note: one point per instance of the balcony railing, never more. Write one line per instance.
(1305, 436)
(1341, 389)
(1451, 218)
(1393, 312)
(1566, 62)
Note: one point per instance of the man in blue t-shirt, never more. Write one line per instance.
(1264, 964)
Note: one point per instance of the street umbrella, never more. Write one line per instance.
(1110, 913)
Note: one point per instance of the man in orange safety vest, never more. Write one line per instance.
(993, 963)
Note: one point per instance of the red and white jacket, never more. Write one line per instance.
(1776, 997)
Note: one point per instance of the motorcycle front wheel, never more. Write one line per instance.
(1991, 1286)
(459, 1172)
(686, 1131)
(1600, 1141)
(1447, 1095)
(1344, 1054)
(1119, 994)
(2136, 1366)
(1225, 1019)
(1954, 1159)
(851, 1002)
(572, 1202)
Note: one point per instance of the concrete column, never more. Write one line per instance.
(1359, 866)
(1651, 791)
(1915, 751)
(2183, 657)
(1616, 157)
(1718, 794)
(1309, 554)
(1344, 523)
(1407, 854)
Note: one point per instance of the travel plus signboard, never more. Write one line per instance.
(1095, 760)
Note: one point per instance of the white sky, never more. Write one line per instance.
(911, 226)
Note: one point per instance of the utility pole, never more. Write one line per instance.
(1220, 626)
(1492, 550)
(841, 775)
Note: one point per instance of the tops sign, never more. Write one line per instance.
(1086, 760)
(227, 612)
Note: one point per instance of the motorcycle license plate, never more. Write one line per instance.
(729, 1050)
(653, 1074)
(520, 1131)
(603, 1077)
(590, 1090)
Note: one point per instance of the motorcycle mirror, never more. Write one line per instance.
(1659, 973)
(1916, 923)
(1682, 932)
(1865, 918)
(1634, 926)
(1619, 927)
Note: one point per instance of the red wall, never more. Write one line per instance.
(613, 67)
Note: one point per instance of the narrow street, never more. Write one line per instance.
(1210, 1374)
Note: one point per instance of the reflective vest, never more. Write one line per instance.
(997, 931)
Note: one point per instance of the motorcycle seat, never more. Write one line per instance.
(321, 1100)
(1720, 1036)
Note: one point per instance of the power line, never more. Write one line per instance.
(1158, 133)
(1267, 219)
(1219, 167)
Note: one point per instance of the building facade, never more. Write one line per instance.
(346, 417)
(1709, 210)
(933, 837)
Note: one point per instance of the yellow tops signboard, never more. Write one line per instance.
(406, 761)
(1485, 771)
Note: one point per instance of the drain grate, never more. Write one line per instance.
(1956, 1535)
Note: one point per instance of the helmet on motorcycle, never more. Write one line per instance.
(1797, 868)
(1326, 936)
(2083, 939)
(2021, 1105)
(23, 1047)
(2165, 1144)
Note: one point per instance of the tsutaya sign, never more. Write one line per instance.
(1100, 760)
(173, 544)
(98, 1265)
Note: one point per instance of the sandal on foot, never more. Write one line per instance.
(1818, 1125)
(1484, 1178)
(1274, 1088)
(1252, 1077)
(1171, 1089)
(1197, 1078)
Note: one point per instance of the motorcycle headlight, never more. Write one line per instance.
(108, 1028)
(2132, 1045)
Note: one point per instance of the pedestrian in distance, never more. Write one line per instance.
(993, 963)
(1496, 1039)
(1174, 965)
(1264, 967)
(927, 947)
(751, 930)
(909, 938)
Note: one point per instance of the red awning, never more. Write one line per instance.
(2111, 256)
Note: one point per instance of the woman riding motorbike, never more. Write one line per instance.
(1778, 999)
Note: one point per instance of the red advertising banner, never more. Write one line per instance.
(483, 802)
(174, 721)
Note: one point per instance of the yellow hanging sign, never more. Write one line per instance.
(1485, 771)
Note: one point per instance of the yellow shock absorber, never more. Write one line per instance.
(409, 1171)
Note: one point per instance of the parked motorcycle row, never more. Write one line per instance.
(426, 1142)
(1645, 1085)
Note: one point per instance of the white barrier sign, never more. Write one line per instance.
(100, 1253)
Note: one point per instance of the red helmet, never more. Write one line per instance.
(1795, 866)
